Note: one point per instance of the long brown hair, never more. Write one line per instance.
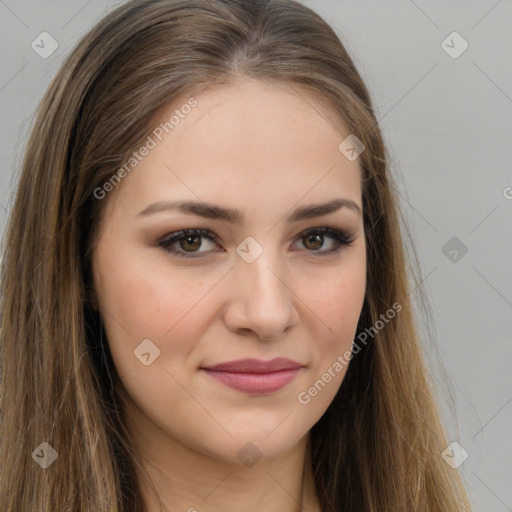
(378, 446)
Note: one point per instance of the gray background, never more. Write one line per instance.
(447, 124)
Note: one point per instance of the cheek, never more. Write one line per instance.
(141, 301)
(337, 305)
(337, 309)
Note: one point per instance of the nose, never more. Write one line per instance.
(261, 299)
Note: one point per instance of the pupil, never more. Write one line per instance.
(318, 240)
(188, 238)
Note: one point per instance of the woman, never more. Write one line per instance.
(205, 302)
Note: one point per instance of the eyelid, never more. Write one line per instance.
(342, 237)
(176, 236)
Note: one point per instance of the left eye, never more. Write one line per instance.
(189, 241)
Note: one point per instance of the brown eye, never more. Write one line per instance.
(316, 241)
(186, 243)
(190, 243)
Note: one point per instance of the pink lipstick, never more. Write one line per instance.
(255, 376)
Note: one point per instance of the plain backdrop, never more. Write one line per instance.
(444, 102)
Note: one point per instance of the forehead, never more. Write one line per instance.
(258, 141)
(258, 108)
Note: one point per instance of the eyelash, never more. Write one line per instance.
(338, 236)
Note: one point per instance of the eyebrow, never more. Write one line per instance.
(212, 211)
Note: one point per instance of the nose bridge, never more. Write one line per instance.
(262, 296)
(262, 277)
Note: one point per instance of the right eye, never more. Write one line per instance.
(187, 239)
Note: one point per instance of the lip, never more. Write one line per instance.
(255, 376)
(255, 365)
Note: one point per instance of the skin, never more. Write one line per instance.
(265, 150)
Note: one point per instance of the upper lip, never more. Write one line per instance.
(255, 365)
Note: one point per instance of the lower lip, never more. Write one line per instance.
(255, 383)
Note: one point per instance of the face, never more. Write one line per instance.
(268, 283)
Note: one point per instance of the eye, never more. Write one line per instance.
(189, 241)
(314, 239)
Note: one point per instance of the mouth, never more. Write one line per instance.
(254, 376)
